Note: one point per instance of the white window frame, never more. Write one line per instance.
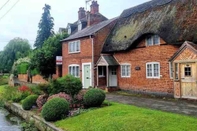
(103, 72)
(69, 30)
(74, 66)
(152, 39)
(129, 71)
(152, 66)
(79, 25)
(76, 48)
(171, 68)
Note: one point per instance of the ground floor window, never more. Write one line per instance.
(125, 70)
(153, 70)
(101, 70)
(74, 70)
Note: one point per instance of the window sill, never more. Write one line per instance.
(74, 52)
(125, 76)
(101, 76)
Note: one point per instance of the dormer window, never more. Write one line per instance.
(152, 40)
(69, 30)
(79, 26)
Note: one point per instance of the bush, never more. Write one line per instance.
(36, 90)
(22, 68)
(80, 95)
(29, 102)
(68, 84)
(55, 109)
(42, 99)
(45, 88)
(94, 98)
(3, 80)
(61, 95)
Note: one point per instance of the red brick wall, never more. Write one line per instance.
(35, 79)
(85, 55)
(139, 57)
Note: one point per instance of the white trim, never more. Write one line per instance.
(83, 64)
(153, 77)
(72, 42)
(125, 64)
(74, 65)
(171, 73)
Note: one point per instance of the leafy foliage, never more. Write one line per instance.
(3, 80)
(61, 95)
(45, 27)
(42, 99)
(80, 95)
(15, 49)
(44, 59)
(55, 109)
(94, 98)
(29, 102)
(68, 84)
(22, 68)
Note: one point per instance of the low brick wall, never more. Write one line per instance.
(35, 79)
(39, 122)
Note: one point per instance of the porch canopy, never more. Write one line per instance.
(110, 63)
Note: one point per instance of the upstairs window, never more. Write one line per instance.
(79, 26)
(153, 70)
(74, 70)
(69, 30)
(74, 46)
(152, 40)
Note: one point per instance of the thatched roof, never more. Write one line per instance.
(175, 21)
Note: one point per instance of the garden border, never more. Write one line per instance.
(39, 122)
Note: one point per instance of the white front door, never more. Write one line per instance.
(86, 75)
(112, 77)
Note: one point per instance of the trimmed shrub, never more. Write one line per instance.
(55, 109)
(94, 98)
(61, 95)
(42, 99)
(29, 102)
(68, 84)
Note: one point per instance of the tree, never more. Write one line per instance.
(45, 27)
(15, 49)
(44, 59)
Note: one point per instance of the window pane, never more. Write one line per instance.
(123, 70)
(149, 40)
(149, 70)
(156, 70)
(156, 40)
(187, 71)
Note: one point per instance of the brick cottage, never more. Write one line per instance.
(150, 49)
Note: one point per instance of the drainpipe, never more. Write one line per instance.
(92, 40)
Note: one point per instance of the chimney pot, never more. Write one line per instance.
(81, 13)
(94, 7)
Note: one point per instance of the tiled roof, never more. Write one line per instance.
(89, 30)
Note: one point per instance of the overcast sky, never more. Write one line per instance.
(22, 20)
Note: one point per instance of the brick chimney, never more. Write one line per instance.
(81, 13)
(94, 8)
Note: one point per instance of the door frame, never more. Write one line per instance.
(83, 80)
(109, 77)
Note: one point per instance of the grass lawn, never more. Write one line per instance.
(120, 117)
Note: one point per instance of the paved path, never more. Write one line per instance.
(175, 106)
